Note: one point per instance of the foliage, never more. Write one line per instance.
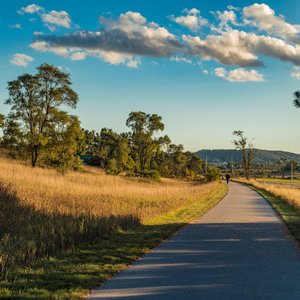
(35, 102)
(143, 143)
(212, 174)
(297, 99)
(140, 152)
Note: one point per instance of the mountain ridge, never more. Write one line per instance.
(261, 157)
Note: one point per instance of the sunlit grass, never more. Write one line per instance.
(43, 213)
(278, 180)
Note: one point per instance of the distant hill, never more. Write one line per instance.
(261, 157)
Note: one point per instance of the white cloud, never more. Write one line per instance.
(56, 18)
(81, 55)
(121, 41)
(296, 73)
(226, 18)
(45, 47)
(15, 26)
(193, 11)
(264, 18)
(231, 7)
(241, 48)
(205, 72)
(30, 9)
(180, 59)
(191, 20)
(114, 58)
(21, 60)
(239, 75)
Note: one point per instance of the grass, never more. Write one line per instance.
(286, 201)
(63, 235)
(278, 180)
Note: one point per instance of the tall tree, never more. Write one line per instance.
(36, 102)
(241, 143)
(143, 142)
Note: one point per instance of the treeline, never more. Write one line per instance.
(38, 129)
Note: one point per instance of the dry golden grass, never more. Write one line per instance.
(94, 193)
(43, 212)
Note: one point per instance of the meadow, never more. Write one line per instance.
(43, 213)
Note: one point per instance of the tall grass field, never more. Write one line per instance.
(43, 213)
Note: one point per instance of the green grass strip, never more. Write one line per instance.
(71, 275)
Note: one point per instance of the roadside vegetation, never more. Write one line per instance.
(43, 214)
(278, 180)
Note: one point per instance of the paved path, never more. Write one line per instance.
(239, 250)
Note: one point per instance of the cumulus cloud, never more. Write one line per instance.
(45, 47)
(119, 42)
(191, 20)
(263, 17)
(114, 58)
(239, 75)
(241, 48)
(56, 18)
(21, 60)
(127, 38)
(30, 9)
(226, 19)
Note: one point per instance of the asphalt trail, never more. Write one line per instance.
(239, 250)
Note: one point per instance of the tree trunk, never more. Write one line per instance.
(34, 156)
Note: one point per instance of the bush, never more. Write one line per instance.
(112, 167)
(212, 174)
(153, 174)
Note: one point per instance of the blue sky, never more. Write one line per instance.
(208, 67)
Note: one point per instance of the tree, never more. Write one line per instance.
(282, 165)
(142, 141)
(36, 102)
(241, 143)
(65, 143)
(297, 99)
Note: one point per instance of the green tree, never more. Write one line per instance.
(143, 143)
(36, 102)
(241, 143)
(297, 99)
(65, 143)
(114, 146)
(212, 174)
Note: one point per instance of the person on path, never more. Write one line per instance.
(227, 178)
